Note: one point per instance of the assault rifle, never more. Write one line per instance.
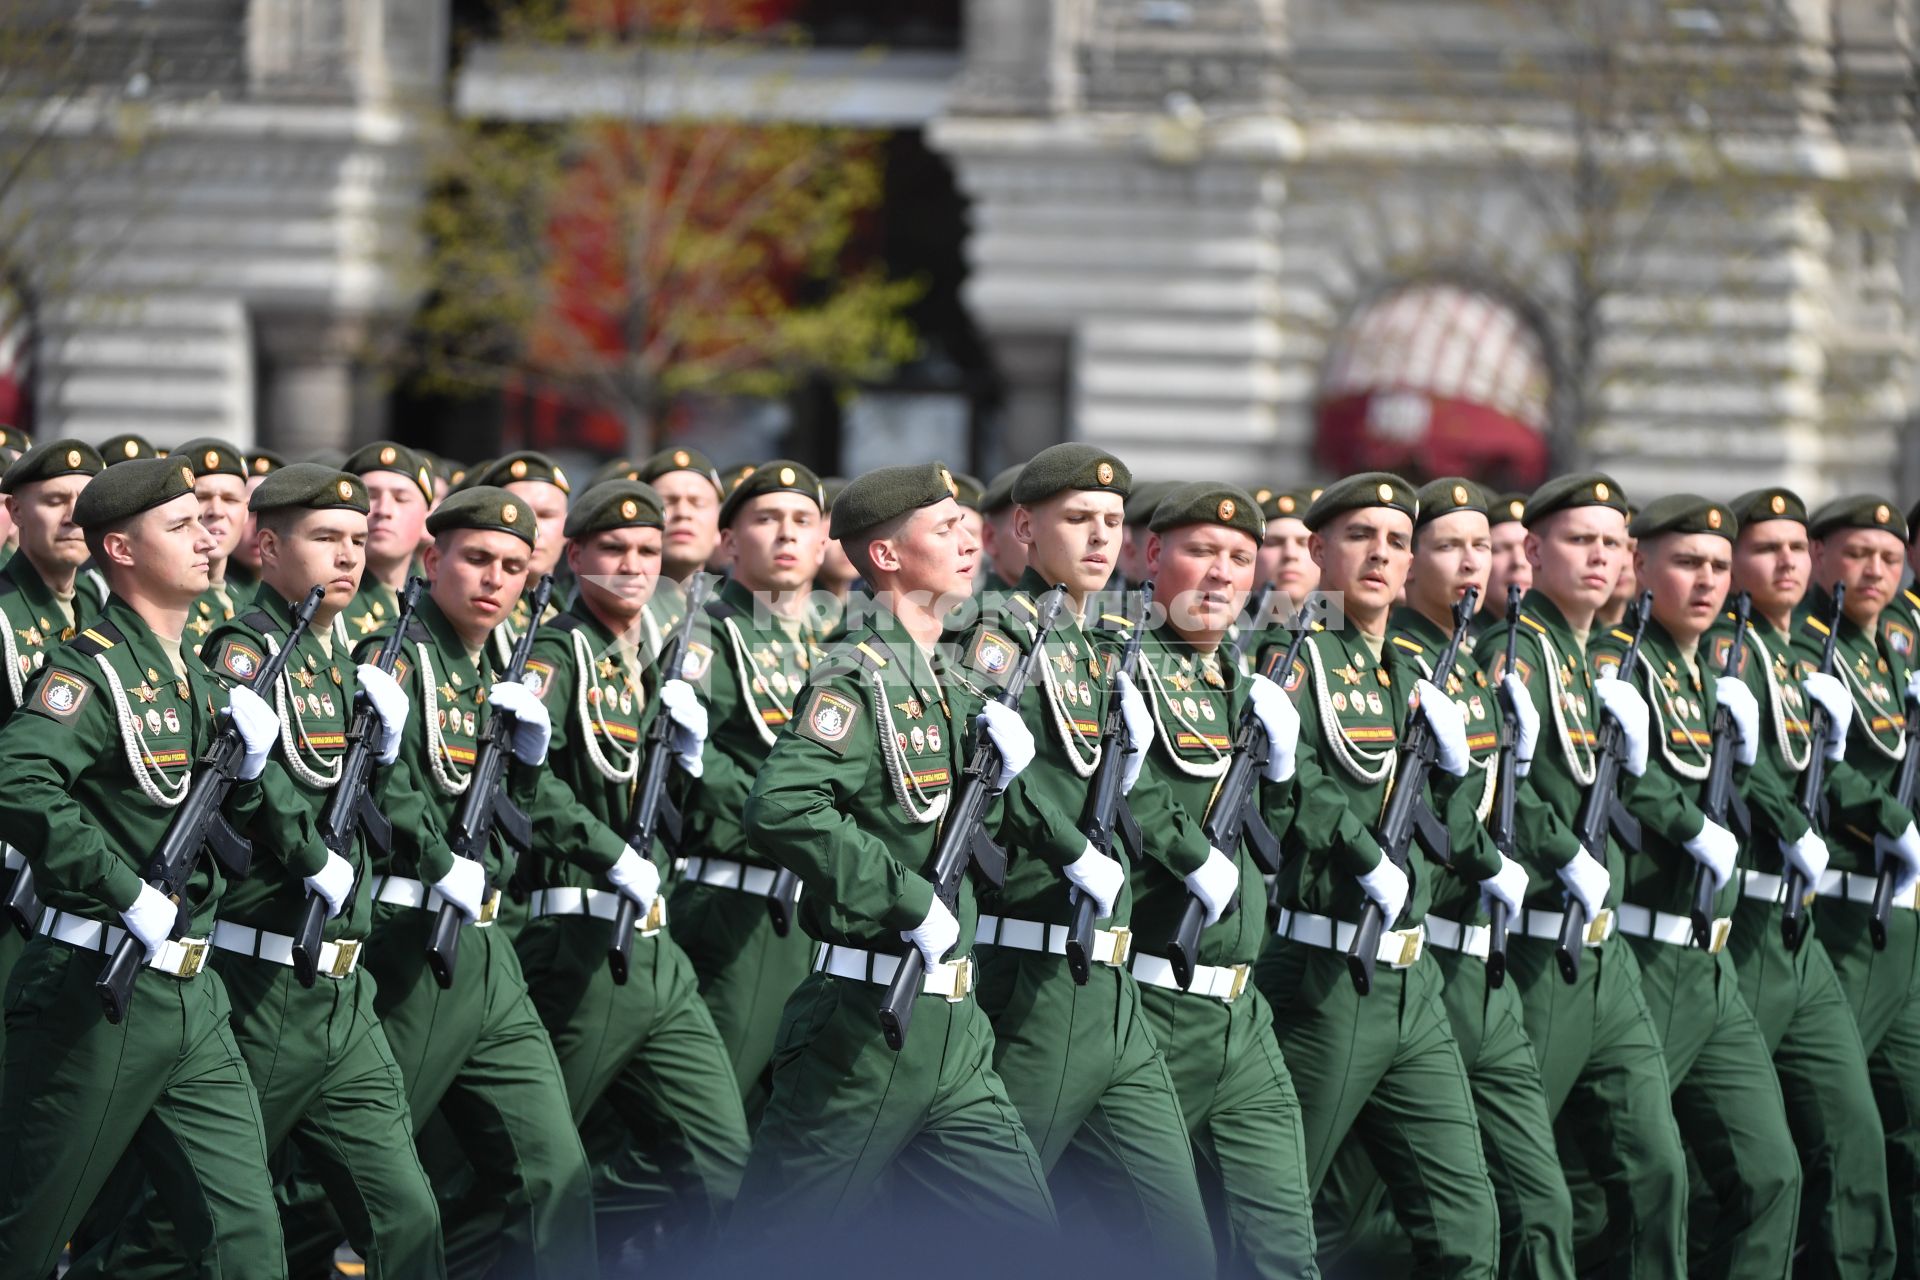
(1506, 784)
(1813, 785)
(1719, 796)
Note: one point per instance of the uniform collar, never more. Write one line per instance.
(1408, 621)
(1538, 606)
(445, 639)
(33, 586)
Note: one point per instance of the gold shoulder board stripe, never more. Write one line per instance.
(1817, 625)
(877, 659)
(1118, 620)
(1623, 635)
(97, 638)
(1912, 599)
(1541, 627)
(1407, 644)
(1026, 604)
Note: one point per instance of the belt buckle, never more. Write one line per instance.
(343, 953)
(194, 957)
(1122, 946)
(1409, 948)
(1722, 930)
(1240, 973)
(1600, 928)
(962, 980)
(656, 917)
(489, 909)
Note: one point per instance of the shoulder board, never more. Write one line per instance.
(97, 638)
(869, 657)
(1409, 645)
(1624, 637)
(1121, 621)
(1021, 599)
(1816, 624)
(720, 610)
(1541, 627)
(564, 622)
(260, 620)
(418, 633)
(1912, 599)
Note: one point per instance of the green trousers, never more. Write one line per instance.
(168, 1083)
(1536, 1213)
(1846, 1227)
(1884, 990)
(1085, 1073)
(1245, 1123)
(12, 947)
(1605, 1075)
(328, 1084)
(746, 972)
(1727, 1101)
(1386, 1068)
(856, 1133)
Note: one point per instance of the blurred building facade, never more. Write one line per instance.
(1263, 239)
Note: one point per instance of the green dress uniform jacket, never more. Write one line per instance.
(1079, 1061)
(1383, 1066)
(94, 763)
(215, 605)
(852, 802)
(748, 669)
(1595, 1041)
(1726, 1097)
(1846, 1226)
(1882, 986)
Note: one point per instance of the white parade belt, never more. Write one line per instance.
(1399, 948)
(1664, 926)
(1222, 982)
(1110, 946)
(412, 893)
(952, 981)
(176, 957)
(337, 959)
(601, 904)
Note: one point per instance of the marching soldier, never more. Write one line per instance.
(852, 804)
(127, 447)
(1846, 1228)
(1078, 1061)
(690, 494)
(750, 661)
(542, 487)
(646, 1046)
(1235, 1094)
(1859, 541)
(1599, 1053)
(1507, 525)
(400, 493)
(13, 443)
(1384, 1065)
(95, 762)
(1725, 1096)
(1005, 556)
(1284, 561)
(220, 482)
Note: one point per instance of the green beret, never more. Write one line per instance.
(1684, 513)
(54, 458)
(1861, 511)
(1145, 499)
(731, 478)
(615, 469)
(1070, 466)
(972, 490)
(124, 491)
(524, 464)
(1285, 504)
(1582, 489)
(126, 447)
(15, 439)
(615, 504)
(210, 457)
(998, 495)
(1508, 508)
(1204, 502)
(778, 476)
(312, 486)
(264, 462)
(483, 506)
(882, 494)
(1368, 489)
(1757, 506)
(387, 455)
(1447, 495)
(678, 459)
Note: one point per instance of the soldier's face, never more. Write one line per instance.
(777, 540)
(247, 554)
(1868, 561)
(1771, 562)
(1133, 551)
(1577, 556)
(1628, 584)
(1202, 574)
(932, 555)
(1451, 554)
(549, 507)
(166, 551)
(397, 517)
(1285, 561)
(223, 509)
(43, 513)
(1688, 574)
(319, 549)
(692, 510)
(477, 574)
(1364, 555)
(1006, 553)
(1508, 543)
(1073, 537)
(617, 570)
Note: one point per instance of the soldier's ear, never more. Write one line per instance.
(1153, 554)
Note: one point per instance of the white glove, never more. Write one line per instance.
(259, 728)
(1281, 719)
(465, 887)
(1011, 736)
(1831, 694)
(1808, 856)
(1526, 738)
(1906, 851)
(1715, 849)
(1449, 727)
(389, 702)
(532, 727)
(333, 882)
(1589, 881)
(1508, 886)
(1733, 694)
(1099, 876)
(1913, 685)
(934, 936)
(1629, 710)
(1214, 884)
(636, 877)
(1133, 709)
(1387, 885)
(689, 716)
(151, 917)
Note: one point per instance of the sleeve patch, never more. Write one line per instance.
(1520, 667)
(241, 661)
(829, 720)
(693, 667)
(1899, 637)
(993, 654)
(1295, 677)
(1606, 666)
(63, 694)
(400, 670)
(538, 676)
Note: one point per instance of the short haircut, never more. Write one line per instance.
(857, 547)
